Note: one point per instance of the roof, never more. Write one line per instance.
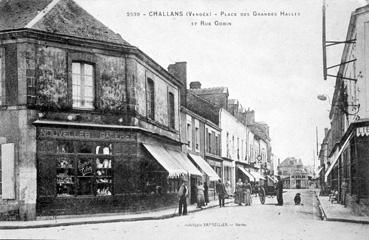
(55, 16)
(214, 90)
(259, 132)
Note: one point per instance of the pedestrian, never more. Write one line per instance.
(228, 188)
(248, 199)
(221, 191)
(182, 195)
(239, 192)
(279, 189)
(206, 192)
(200, 195)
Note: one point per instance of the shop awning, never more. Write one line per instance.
(165, 160)
(213, 176)
(184, 162)
(257, 176)
(251, 177)
(319, 170)
(337, 156)
(272, 179)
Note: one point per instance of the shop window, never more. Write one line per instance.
(150, 99)
(82, 168)
(171, 111)
(83, 91)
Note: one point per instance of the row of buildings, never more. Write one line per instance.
(90, 123)
(344, 152)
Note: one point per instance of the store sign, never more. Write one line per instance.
(80, 134)
(362, 131)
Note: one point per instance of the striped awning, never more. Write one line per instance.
(184, 162)
(257, 176)
(165, 160)
(336, 157)
(250, 177)
(213, 176)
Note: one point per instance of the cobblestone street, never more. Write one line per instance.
(232, 222)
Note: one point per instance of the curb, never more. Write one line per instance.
(323, 215)
(97, 221)
(326, 218)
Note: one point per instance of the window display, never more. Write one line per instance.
(82, 167)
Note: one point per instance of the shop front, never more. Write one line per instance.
(93, 169)
(216, 165)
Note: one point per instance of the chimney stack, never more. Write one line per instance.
(179, 71)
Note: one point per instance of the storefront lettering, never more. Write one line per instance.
(80, 134)
(363, 131)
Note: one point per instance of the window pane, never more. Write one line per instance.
(88, 70)
(89, 92)
(76, 68)
(85, 147)
(76, 79)
(89, 81)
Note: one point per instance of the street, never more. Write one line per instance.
(232, 222)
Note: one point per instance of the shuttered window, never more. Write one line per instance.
(150, 99)
(7, 171)
(2, 77)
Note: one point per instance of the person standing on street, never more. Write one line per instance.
(221, 191)
(279, 189)
(206, 192)
(248, 193)
(200, 195)
(182, 194)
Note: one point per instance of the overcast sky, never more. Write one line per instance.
(271, 64)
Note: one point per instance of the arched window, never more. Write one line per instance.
(150, 99)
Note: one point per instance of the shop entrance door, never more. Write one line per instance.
(193, 197)
(298, 184)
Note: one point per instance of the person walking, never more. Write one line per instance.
(182, 195)
(200, 195)
(239, 192)
(248, 199)
(206, 193)
(279, 189)
(221, 191)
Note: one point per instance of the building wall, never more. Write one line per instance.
(37, 85)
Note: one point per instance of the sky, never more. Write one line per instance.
(271, 64)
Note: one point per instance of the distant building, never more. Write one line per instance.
(293, 173)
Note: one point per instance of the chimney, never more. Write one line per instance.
(250, 117)
(195, 85)
(179, 71)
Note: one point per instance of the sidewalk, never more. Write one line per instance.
(44, 222)
(337, 212)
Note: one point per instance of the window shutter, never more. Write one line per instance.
(7, 168)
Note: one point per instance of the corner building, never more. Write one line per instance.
(90, 123)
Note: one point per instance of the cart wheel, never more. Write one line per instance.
(262, 195)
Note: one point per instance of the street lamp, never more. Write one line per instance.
(342, 105)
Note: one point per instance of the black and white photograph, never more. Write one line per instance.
(184, 119)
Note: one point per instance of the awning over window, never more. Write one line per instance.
(272, 179)
(213, 176)
(251, 177)
(167, 161)
(337, 156)
(257, 176)
(184, 162)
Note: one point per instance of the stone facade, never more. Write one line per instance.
(37, 98)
